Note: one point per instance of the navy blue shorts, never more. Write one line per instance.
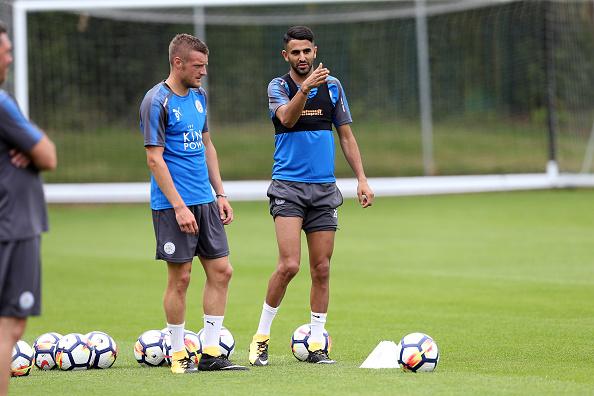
(175, 246)
(316, 203)
(20, 278)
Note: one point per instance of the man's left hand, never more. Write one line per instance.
(225, 210)
(365, 194)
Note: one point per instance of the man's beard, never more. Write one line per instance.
(301, 72)
(191, 83)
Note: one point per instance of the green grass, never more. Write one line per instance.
(503, 282)
(388, 149)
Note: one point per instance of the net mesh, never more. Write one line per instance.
(88, 72)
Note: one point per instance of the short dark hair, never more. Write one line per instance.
(3, 28)
(298, 33)
(182, 43)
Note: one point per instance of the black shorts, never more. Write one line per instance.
(175, 246)
(316, 203)
(20, 278)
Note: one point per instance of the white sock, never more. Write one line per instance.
(212, 330)
(177, 336)
(318, 322)
(268, 314)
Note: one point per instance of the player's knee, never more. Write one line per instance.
(13, 330)
(181, 282)
(321, 271)
(220, 276)
(288, 268)
(18, 334)
(225, 274)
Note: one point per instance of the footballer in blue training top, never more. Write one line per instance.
(188, 220)
(305, 105)
(177, 124)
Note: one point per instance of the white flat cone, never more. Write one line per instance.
(385, 355)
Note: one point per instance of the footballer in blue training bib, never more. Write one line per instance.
(305, 152)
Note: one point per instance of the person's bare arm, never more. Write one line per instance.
(43, 154)
(214, 175)
(350, 148)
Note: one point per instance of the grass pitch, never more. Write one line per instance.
(503, 282)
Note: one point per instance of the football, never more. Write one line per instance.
(22, 359)
(105, 349)
(193, 345)
(226, 342)
(417, 352)
(148, 349)
(300, 342)
(45, 350)
(74, 352)
(166, 347)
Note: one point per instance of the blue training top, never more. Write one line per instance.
(307, 154)
(177, 124)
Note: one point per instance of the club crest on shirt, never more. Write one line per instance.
(199, 106)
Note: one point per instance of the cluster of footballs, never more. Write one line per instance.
(153, 347)
(73, 351)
